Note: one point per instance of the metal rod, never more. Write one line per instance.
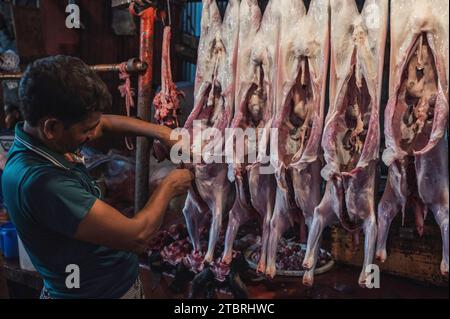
(143, 145)
(133, 66)
(10, 76)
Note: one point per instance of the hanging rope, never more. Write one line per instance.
(168, 11)
(127, 92)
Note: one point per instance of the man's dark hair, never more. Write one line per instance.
(63, 87)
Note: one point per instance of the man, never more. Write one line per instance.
(55, 204)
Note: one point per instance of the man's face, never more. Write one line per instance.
(78, 134)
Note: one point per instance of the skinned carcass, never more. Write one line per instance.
(213, 109)
(416, 119)
(351, 137)
(255, 191)
(301, 80)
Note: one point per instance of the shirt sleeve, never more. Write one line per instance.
(57, 201)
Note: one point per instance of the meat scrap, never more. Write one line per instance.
(167, 101)
(416, 120)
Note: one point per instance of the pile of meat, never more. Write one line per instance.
(170, 251)
(290, 256)
(175, 247)
(269, 71)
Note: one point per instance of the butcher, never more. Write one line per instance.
(81, 246)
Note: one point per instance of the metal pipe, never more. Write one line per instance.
(133, 66)
(10, 76)
(143, 145)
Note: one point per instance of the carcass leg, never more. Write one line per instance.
(265, 237)
(324, 215)
(279, 223)
(441, 215)
(214, 232)
(370, 232)
(432, 178)
(192, 216)
(387, 210)
(262, 186)
(220, 207)
(238, 216)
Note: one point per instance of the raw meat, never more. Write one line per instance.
(351, 135)
(255, 192)
(299, 102)
(167, 101)
(213, 108)
(416, 119)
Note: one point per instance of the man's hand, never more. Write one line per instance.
(126, 126)
(104, 225)
(179, 181)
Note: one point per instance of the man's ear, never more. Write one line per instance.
(52, 128)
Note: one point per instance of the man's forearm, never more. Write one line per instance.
(106, 226)
(127, 126)
(153, 212)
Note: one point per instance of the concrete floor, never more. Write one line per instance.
(339, 283)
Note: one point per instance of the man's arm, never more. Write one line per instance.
(106, 226)
(127, 126)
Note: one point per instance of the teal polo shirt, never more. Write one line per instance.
(47, 197)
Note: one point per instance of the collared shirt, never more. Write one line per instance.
(47, 197)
